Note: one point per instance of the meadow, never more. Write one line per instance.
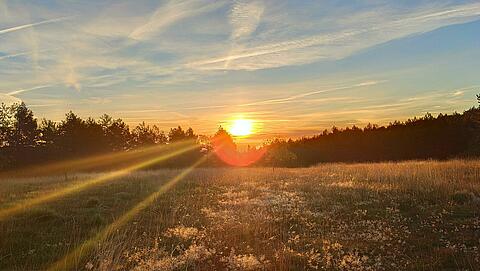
(416, 215)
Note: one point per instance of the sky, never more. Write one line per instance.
(293, 67)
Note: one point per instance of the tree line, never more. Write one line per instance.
(25, 141)
(429, 137)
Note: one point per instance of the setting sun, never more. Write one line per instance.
(241, 127)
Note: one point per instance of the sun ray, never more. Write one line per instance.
(20, 207)
(110, 160)
(76, 255)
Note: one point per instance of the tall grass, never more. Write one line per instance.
(417, 215)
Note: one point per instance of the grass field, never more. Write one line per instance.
(384, 216)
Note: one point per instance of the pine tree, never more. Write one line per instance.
(25, 132)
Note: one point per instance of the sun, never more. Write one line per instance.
(241, 127)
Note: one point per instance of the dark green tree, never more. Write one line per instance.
(119, 136)
(278, 155)
(94, 138)
(71, 134)
(189, 134)
(25, 129)
(7, 120)
(48, 132)
(105, 121)
(177, 134)
(145, 135)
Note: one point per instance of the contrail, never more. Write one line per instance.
(302, 95)
(15, 55)
(20, 27)
(27, 89)
(22, 54)
(291, 98)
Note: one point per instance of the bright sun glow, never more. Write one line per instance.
(241, 127)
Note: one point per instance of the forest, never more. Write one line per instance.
(26, 141)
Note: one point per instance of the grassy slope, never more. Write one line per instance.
(412, 215)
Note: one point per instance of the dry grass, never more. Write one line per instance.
(383, 216)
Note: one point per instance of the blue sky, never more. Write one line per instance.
(294, 67)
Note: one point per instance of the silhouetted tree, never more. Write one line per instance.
(105, 121)
(189, 134)
(7, 120)
(48, 132)
(278, 155)
(144, 135)
(18, 135)
(428, 137)
(94, 138)
(176, 134)
(118, 135)
(71, 133)
(25, 131)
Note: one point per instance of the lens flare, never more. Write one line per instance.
(226, 150)
(239, 159)
(76, 255)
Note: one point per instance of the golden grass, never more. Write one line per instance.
(418, 215)
(96, 162)
(74, 188)
(76, 255)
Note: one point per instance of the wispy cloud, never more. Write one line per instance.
(306, 94)
(142, 111)
(245, 17)
(291, 98)
(24, 26)
(208, 107)
(170, 13)
(462, 91)
(340, 43)
(32, 52)
(71, 79)
(19, 91)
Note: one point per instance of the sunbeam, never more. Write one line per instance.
(76, 255)
(110, 160)
(19, 207)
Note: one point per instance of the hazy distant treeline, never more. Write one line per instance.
(25, 141)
